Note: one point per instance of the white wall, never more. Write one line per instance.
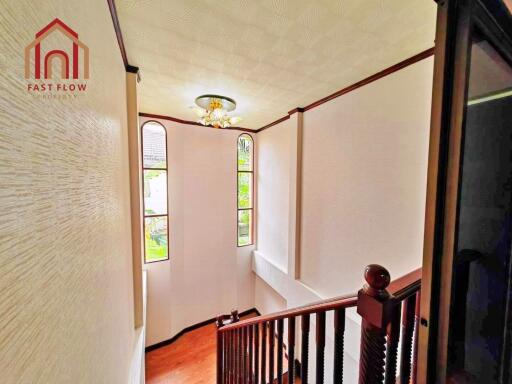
(65, 248)
(207, 274)
(274, 158)
(266, 299)
(363, 191)
(365, 172)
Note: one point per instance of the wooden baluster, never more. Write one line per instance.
(271, 351)
(235, 355)
(320, 347)
(409, 308)
(393, 336)
(291, 350)
(239, 357)
(339, 339)
(220, 350)
(256, 353)
(263, 353)
(225, 343)
(416, 338)
(374, 305)
(280, 330)
(244, 355)
(251, 355)
(304, 349)
(230, 358)
(236, 336)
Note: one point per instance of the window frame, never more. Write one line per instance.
(238, 209)
(166, 169)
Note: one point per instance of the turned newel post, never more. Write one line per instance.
(375, 305)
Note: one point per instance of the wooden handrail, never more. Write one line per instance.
(247, 350)
(318, 306)
(399, 288)
(406, 285)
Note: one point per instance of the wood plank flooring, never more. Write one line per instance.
(189, 360)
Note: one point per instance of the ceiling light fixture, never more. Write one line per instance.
(212, 110)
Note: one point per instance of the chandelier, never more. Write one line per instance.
(213, 110)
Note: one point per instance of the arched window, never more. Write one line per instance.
(245, 183)
(154, 174)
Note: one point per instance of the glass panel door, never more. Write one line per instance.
(466, 315)
(481, 263)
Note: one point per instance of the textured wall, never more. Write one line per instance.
(66, 301)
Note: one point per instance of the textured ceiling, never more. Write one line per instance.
(270, 55)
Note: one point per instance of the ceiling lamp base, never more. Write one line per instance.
(212, 110)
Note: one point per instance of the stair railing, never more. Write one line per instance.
(247, 352)
(388, 311)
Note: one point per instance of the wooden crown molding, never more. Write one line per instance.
(190, 122)
(120, 41)
(370, 79)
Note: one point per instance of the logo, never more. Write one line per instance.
(55, 47)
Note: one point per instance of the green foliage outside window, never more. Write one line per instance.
(245, 189)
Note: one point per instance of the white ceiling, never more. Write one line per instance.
(269, 55)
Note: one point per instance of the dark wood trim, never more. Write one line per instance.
(273, 123)
(189, 122)
(449, 95)
(379, 75)
(194, 327)
(132, 69)
(295, 110)
(119, 35)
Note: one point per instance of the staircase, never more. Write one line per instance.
(251, 351)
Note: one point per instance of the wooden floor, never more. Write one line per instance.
(189, 360)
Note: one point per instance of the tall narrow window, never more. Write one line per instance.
(245, 183)
(154, 173)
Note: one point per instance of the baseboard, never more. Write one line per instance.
(193, 327)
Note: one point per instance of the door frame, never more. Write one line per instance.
(452, 56)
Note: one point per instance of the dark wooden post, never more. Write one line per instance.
(220, 351)
(291, 350)
(339, 340)
(393, 335)
(304, 350)
(320, 347)
(234, 316)
(375, 305)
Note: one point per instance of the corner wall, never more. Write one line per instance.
(207, 274)
(65, 248)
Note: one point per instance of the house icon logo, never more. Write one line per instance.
(44, 59)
